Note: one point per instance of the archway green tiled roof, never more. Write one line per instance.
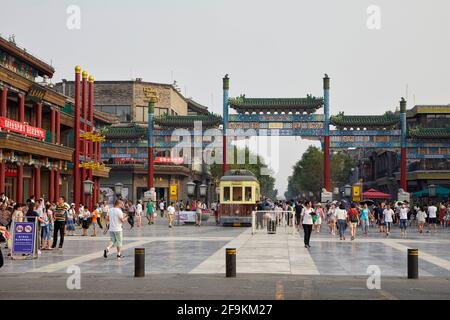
(386, 120)
(242, 102)
(130, 131)
(208, 120)
(429, 133)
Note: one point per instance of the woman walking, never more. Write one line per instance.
(71, 220)
(139, 214)
(331, 219)
(150, 213)
(319, 217)
(307, 222)
(341, 217)
(403, 219)
(365, 219)
(353, 216)
(85, 221)
(421, 218)
(388, 215)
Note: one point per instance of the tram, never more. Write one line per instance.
(239, 191)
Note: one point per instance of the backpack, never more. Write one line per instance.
(353, 215)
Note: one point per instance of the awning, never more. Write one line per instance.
(375, 194)
(441, 192)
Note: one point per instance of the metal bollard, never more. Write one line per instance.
(413, 263)
(139, 262)
(230, 262)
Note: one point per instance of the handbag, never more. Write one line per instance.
(2, 238)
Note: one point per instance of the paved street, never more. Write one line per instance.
(188, 262)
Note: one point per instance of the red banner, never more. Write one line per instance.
(178, 160)
(15, 126)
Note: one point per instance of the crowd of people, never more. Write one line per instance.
(57, 220)
(340, 216)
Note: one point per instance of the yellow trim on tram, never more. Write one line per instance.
(239, 192)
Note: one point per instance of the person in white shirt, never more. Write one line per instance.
(388, 214)
(171, 214)
(403, 219)
(161, 208)
(307, 222)
(421, 218)
(342, 219)
(139, 214)
(116, 218)
(80, 213)
(432, 214)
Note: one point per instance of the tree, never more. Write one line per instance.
(266, 182)
(307, 173)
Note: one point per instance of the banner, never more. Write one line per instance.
(15, 126)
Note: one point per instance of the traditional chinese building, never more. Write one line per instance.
(428, 134)
(125, 147)
(36, 129)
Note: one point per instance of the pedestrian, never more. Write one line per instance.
(116, 218)
(364, 219)
(95, 216)
(319, 217)
(59, 218)
(45, 229)
(432, 217)
(171, 214)
(342, 218)
(331, 217)
(71, 220)
(198, 214)
(388, 215)
(80, 214)
(150, 212)
(131, 209)
(17, 215)
(421, 218)
(105, 210)
(86, 221)
(403, 219)
(298, 212)
(353, 216)
(161, 208)
(307, 222)
(139, 214)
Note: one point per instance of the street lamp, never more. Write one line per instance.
(432, 190)
(203, 188)
(87, 188)
(348, 190)
(190, 188)
(118, 189)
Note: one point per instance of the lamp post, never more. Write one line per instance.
(203, 188)
(190, 190)
(118, 190)
(87, 188)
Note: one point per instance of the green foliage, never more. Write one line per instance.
(307, 175)
(267, 182)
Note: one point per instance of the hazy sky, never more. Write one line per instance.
(269, 48)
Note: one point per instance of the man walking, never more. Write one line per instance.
(170, 214)
(59, 218)
(116, 218)
(432, 210)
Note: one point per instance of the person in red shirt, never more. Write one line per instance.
(353, 216)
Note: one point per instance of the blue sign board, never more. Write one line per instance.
(24, 237)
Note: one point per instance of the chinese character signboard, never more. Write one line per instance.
(356, 193)
(19, 127)
(24, 238)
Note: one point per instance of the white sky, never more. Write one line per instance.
(270, 49)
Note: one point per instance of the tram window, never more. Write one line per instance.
(226, 194)
(248, 193)
(237, 193)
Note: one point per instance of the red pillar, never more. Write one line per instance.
(57, 175)
(4, 102)
(150, 182)
(58, 127)
(39, 115)
(51, 192)
(91, 129)
(225, 164)
(53, 125)
(403, 182)
(76, 129)
(19, 184)
(21, 107)
(84, 144)
(2, 176)
(326, 165)
(37, 182)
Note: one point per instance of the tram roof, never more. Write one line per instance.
(239, 175)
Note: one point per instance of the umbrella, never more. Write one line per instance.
(368, 202)
(375, 194)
